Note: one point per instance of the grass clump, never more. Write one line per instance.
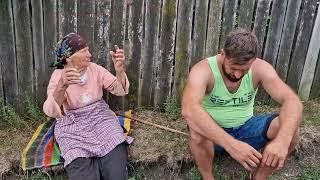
(172, 107)
(310, 173)
(32, 109)
(10, 118)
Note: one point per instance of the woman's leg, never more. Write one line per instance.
(113, 166)
(83, 169)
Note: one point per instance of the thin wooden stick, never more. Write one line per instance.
(152, 124)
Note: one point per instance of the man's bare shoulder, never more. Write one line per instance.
(261, 69)
(201, 74)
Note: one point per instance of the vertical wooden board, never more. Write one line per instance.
(214, 25)
(8, 55)
(149, 53)
(199, 31)
(260, 21)
(117, 30)
(85, 23)
(38, 51)
(166, 58)
(23, 40)
(245, 13)
(311, 61)
(135, 26)
(228, 19)
(259, 28)
(315, 93)
(274, 31)
(102, 32)
(67, 17)
(288, 32)
(302, 42)
(50, 37)
(1, 81)
(183, 46)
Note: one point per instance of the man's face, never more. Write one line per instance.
(235, 72)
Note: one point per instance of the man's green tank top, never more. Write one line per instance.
(229, 109)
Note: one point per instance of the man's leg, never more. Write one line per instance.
(263, 173)
(203, 153)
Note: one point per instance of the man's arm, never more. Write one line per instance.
(201, 122)
(291, 107)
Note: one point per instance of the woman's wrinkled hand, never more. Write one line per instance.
(70, 76)
(118, 59)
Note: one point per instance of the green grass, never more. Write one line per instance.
(172, 107)
(10, 118)
(310, 173)
(32, 110)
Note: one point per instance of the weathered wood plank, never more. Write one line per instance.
(38, 51)
(149, 53)
(288, 32)
(7, 55)
(67, 21)
(1, 81)
(23, 49)
(85, 23)
(214, 25)
(199, 31)
(102, 32)
(167, 45)
(134, 53)
(117, 32)
(245, 13)
(260, 21)
(302, 43)
(183, 46)
(274, 31)
(228, 19)
(50, 37)
(259, 28)
(315, 93)
(311, 61)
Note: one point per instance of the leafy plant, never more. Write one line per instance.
(10, 118)
(32, 109)
(172, 107)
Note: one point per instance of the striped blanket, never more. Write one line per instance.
(43, 151)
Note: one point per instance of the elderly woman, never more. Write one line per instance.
(89, 135)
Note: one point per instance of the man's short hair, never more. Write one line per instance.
(241, 45)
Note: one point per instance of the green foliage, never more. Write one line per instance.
(194, 174)
(9, 118)
(310, 173)
(172, 107)
(137, 173)
(33, 111)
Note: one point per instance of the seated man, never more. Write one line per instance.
(217, 105)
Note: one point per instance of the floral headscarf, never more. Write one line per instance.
(67, 46)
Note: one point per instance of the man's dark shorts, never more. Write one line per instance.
(253, 132)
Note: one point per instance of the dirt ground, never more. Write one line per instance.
(159, 154)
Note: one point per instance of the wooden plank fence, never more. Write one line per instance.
(162, 40)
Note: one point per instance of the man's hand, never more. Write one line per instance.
(246, 155)
(274, 155)
(70, 76)
(118, 59)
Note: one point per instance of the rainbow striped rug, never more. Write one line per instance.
(42, 150)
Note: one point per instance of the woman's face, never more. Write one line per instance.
(80, 59)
